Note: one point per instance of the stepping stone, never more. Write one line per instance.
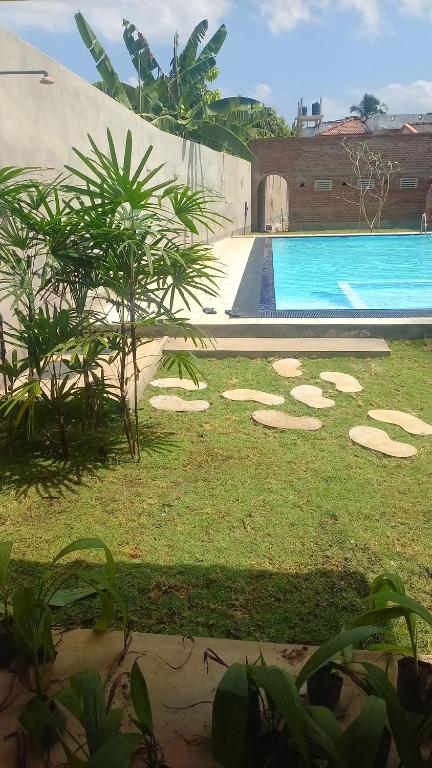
(175, 403)
(311, 396)
(378, 440)
(342, 381)
(288, 367)
(172, 383)
(409, 423)
(253, 394)
(280, 420)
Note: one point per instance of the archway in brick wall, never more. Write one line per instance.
(273, 204)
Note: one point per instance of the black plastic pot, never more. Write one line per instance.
(7, 649)
(414, 685)
(272, 749)
(324, 687)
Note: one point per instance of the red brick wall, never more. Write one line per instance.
(302, 161)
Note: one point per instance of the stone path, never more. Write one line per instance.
(253, 394)
(288, 367)
(378, 440)
(342, 381)
(409, 423)
(172, 383)
(280, 420)
(311, 396)
(175, 403)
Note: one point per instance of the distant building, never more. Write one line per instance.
(373, 126)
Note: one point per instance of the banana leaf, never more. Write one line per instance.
(139, 51)
(103, 63)
(214, 44)
(234, 104)
(220, 138)
(189, 53)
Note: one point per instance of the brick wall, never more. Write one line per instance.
(301, 161)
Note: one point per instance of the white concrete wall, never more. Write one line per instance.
(39, 124)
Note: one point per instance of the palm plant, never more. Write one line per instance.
(178, 102)
(136, 231)
(368, 106)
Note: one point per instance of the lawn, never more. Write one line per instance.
(229, 529)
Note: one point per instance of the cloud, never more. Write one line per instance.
(374, 15)
(262, 92)
(401, 98)
(157, 19)
(413, 97)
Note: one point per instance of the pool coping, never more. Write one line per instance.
(255, 296)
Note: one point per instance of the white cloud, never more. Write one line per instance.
(157, 19)
(413, 97)
(401, 98)
(262, 92)
(374, 15)
(420, 8)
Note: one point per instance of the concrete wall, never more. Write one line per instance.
(274, 206)
(301, 161)
(39, 124)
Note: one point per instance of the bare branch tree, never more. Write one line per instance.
(372, 174)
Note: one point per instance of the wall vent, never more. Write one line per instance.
(366, 184)
(323, 185)
(409, 183)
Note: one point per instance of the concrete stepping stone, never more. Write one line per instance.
(253, 394)
(288, 367)
(280, 420)
(342, 381)
(311, 396)
(175, 403)
(378, 440)
(406, 421)
(171, 383)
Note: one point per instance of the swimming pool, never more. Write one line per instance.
(383, 272)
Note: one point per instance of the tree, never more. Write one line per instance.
(263, 124)
(373, 174)
(92, 264)
(368, 106)
(179, 102)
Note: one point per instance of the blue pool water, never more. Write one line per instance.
(361, 272)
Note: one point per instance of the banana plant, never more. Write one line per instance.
(177, 102)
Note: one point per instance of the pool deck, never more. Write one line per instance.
(232, 255)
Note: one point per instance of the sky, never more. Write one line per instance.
(276, 50)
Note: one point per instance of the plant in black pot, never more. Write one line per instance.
(388, 601)
(7, 643)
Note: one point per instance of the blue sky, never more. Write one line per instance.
(277, 50)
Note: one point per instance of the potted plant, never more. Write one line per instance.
(388, 601)
(7, 643)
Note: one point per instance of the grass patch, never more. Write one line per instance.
(228, 529)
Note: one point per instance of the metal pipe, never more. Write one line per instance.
(45, 79)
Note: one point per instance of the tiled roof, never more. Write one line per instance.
(352, 126)
(419, 127)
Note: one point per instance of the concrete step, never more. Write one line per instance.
(267, 347)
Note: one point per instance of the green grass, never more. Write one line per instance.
(229, 529)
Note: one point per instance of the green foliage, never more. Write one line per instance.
(388, 601)
(368, 106)
(180, 102)
(73, 254)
